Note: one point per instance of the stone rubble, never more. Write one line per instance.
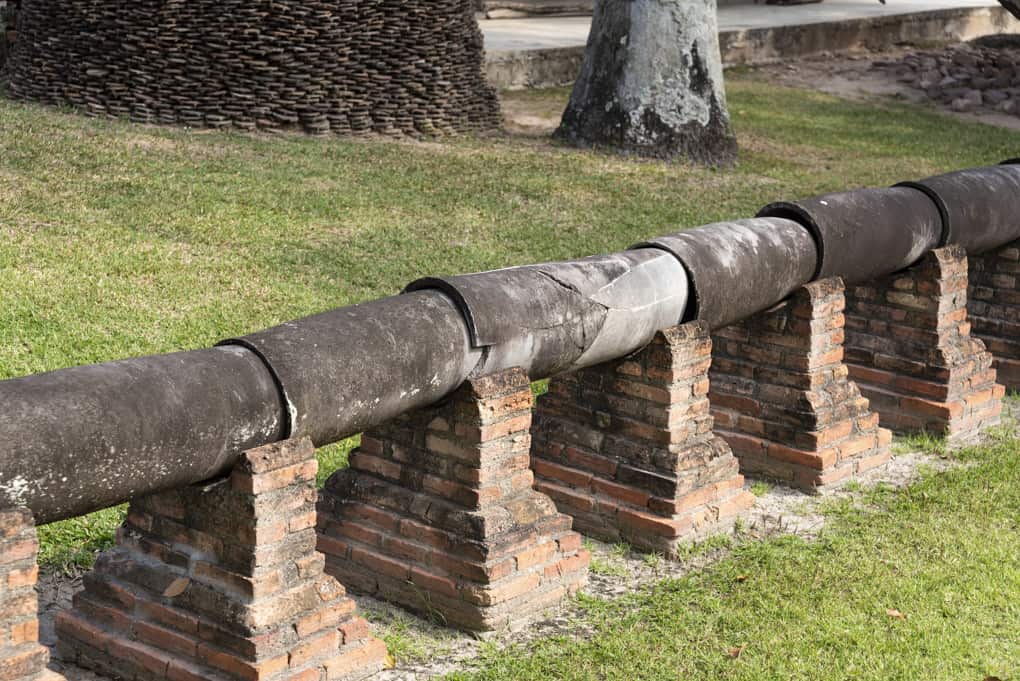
(984, 75)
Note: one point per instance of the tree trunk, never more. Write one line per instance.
(652, 83)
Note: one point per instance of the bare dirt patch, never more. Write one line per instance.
(905, 74)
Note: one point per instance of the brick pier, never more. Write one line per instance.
(782, 398)
(627, 449)
(437, 513)
(22, 658)
(222, 584)
(910, 348)
(993, 306)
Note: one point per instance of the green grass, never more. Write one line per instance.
(921, 583)
(119, 240)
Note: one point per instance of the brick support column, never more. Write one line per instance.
(782, 398)
(910, 349)
(22, 658)
(222, 583)
(437, 513)
(993, 306)
(627, 447)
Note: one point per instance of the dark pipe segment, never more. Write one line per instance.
(741, 267)
(865, 233)
(349, 369)
(558, 317)
(82, 439)
(981, 205)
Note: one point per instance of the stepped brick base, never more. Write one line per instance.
(782, 398)
(222, 584)
(22, 658)
(627, 447)
(910, 349)
(437, 513)
(993, 306)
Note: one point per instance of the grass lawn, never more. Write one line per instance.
(922, 583)
(118, 240)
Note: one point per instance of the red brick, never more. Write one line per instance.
(590, 462)
(239, 668)
(23, 577)
(25, 632)
(369, 656)
(569, 565)
(184, 670)
(818, 460)
(567, 497)
(274, 480)
(570, 542)
(620, 492)
(646, 522)
(354, 630)
(68, 624)
(165, 639)
(502, 591)
(858, 445)
(537, 555)
(380, 563)
(944, 410)
(424, 534)
(373, 464)
(15, 551)
(23, 664)
(146, 657)
(310, 649)
(324, 618)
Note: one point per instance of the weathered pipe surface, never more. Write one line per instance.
(980, 206)
(82, 439)
(346, 370)
(865, 233)
(558, 317)
(739, 268)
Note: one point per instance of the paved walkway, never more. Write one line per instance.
(558, 32)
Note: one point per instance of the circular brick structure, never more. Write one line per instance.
(392, 67)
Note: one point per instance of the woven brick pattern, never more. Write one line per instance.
(325, 66)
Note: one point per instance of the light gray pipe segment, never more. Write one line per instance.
(558, 317)
(742, 267)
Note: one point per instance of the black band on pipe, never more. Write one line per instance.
(791, 211)
(939, 203)
(428, 283)
(288, 421)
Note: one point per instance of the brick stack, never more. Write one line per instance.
(323, 66)
(437, 513)
(222, 584)
(22, 658)
(627, 447)
(782, 398)
(8, 29)
(910, 349)
(993, 306)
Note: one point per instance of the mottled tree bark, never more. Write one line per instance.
(652, 83)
